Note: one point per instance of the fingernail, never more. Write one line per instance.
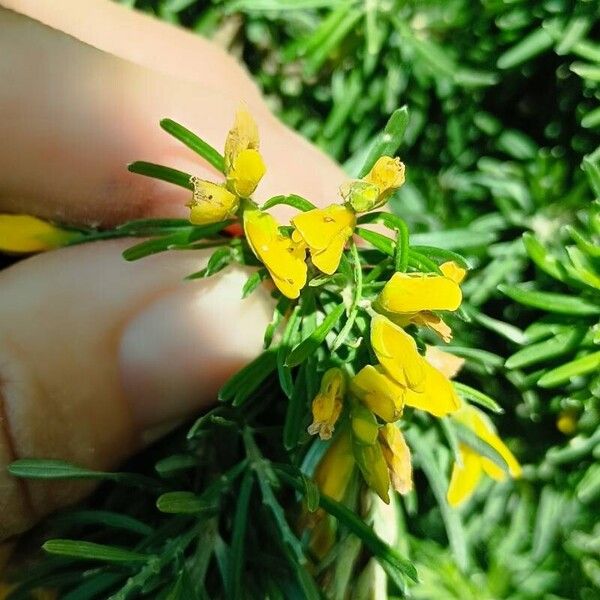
(178, 351)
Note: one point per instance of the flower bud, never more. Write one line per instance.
(211, 203)
(327, 405)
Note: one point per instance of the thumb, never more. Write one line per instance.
(96, 353)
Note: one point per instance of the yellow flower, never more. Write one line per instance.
(567, 422)
(466, 476)
(283, 257)
(397, 352)
(397, 456)
(327, 405)
(325, 231)
(379, 393)
(447, 364)
(437, 395)
(244, 166)
(373, 190)
(410, 298)
(211, 203)
(374, 469)
(453, 271)
(409, 293)
(426, 387)
(22, 234)
(335, 469)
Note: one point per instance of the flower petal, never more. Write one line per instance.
(334, 471)
(242, 136)
(247, 169)
(397, 353)
(453, 271)
(26, 234)
(379, 393)
(412, 293)
(283, 258)
(397, 456)
(437, 395)
(464, 477)
(211, 202)
(319, 227)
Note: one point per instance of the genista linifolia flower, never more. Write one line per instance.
(325, 232)
(379, 393)
(244, 166)
(426, 388)
(23, 234)
(467, 474)
(411, 297)
(374, 469)
(335, 469)
(283, 257)
(374, 190)
(397, 456)
(211, 203)
(328, 403)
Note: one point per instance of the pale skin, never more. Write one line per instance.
(98, 356)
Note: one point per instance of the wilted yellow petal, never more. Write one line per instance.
(335, 469)
(242, 136)
(453, 271)
(379, 393)
(437, 396)
(244, 166)
(325, 231)
(397, 456)
(433, 322)
(282, 256)
(447, 364)
(22, 234)
(415, 292)
(211, 203)
(327, 405)
(373, 467)
(397, 352)
(387, 174)
(464, 477)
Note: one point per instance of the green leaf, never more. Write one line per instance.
(246, 381)
(311, 494)
(580, 366)
(218, 260)
(91, 551)
(471, 439)
(167, 174)
(542, 258)
(295, 411)
(238, 537)
(550, 301)
(454, 239)
(254, 281)
(309, 345)
(183, 503)
(176, 463)
(477, 397)
(381, 242)
(179, 239)
(290, 200)
(102, 518)
(547, 350)
(195, 143)
(438, 483)
(530, 46)
(389, 140)
(290, 333)
(37, 468)
(441, 254)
